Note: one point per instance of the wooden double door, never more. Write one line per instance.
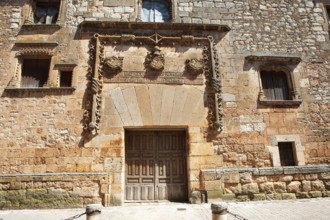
(156, 167)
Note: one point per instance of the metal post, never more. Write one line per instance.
(219, 211)
(93, 211)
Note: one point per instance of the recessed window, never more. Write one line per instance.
(156, 11)
(275, 85)
(286, 153)
(328, 13)
(46, 11)
(35, 72)
(66, 79)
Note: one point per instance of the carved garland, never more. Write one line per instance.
(209, 65)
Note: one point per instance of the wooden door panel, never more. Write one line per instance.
(156, 165)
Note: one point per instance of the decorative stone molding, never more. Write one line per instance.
(35, 51)
(35, 48)
(155, 60)
(114, 64)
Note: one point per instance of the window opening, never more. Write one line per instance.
(275, 85)
(286, 153)
(328, 14)
(46, 12)
(66, 79)
(155, 11)
(35, 72)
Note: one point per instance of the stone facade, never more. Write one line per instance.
(200, 72)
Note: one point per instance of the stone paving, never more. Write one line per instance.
(316, 209)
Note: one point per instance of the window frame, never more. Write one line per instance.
(288, 152)
(275, 75)
(297, 148)
(32, 8)
(293, 97)
(172, 11)
(65, 67)
(23, 59)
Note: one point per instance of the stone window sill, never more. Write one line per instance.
(280, 103)
(45, 27)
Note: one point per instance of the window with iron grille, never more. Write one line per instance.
(35, 72)
(156, 11)
(275, 85)
(286, 154)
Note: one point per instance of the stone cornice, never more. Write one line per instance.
(153, 25)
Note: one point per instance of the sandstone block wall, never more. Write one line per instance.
(42, 131)
(60, 190)
(267, 183)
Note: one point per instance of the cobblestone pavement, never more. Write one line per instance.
(316, 209)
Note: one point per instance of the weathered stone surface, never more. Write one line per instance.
(288, 196)
(306, 186)
(280, 187)
(266, 187)
(257, 197)
(250, 188)
(286, 178)
(293, 187)
(315, 194)
(317, 185)
(245, 178)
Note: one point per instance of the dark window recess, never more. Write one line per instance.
(66, 79)
(275, 85)
(286, 153)
(155, 11)
(46, 12)
(328, 14)
(34, 72)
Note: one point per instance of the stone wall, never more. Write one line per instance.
(59, 190)
(42, 131)
(267, 183)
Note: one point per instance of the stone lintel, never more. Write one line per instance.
(285, 58)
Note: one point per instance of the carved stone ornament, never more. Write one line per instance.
(115, 64)
(195, 65)
(155, 60)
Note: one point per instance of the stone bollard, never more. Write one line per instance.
(219, 211)
(93, 211)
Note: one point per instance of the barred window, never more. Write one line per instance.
(156, 11)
